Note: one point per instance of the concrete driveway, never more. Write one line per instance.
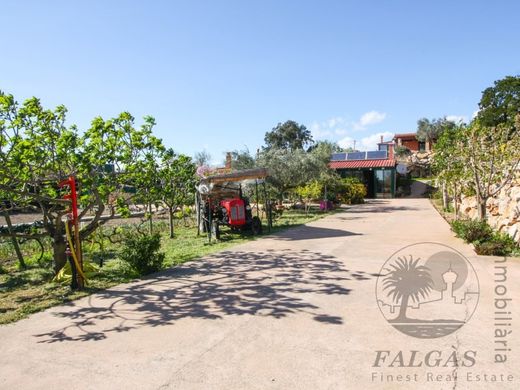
(292, 311)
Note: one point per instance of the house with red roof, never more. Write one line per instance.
(376, 169)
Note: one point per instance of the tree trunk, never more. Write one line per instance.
(150, 221)
(402, 309)
(170, 211)
(455, 202)
(14, 240)
(59, 247)
(482, 209)
(445, 205)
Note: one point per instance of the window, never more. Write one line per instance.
(422, 146)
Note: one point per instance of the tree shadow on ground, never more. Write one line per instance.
(378, 206)
(270, 283)
(305, 232)
(420, 189)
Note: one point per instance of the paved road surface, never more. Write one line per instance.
(292, 311)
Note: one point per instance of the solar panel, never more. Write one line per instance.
(356, 156)
(376, 155)
(338, 157)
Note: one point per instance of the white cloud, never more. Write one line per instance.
(368, 119)
(370, 142)
(457, 118)
(372, 118)
(366, 143)
(335, 125)
(474, 115)
(338, 125)
(347, 142)
(318, 130)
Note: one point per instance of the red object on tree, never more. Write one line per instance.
(71, 183)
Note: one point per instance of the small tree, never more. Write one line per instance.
(309, 192)
(178, 182)
(492, 157)
(37, 151)
(449, 164)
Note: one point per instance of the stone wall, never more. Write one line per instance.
(503, 210)
(419, 163)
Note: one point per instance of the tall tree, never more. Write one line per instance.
(288, 135)
(326, 148)
(430, 130)
(202, 158)
(500, 104)
(289, 169)
(242, 159)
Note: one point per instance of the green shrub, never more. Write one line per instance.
(472, 230)
(499, 244)
(352, 191)
(142, 254)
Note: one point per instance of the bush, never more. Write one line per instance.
(487, 242)
(402, 151)
(500, 244)
(472, 231)
(352, 191)
(142, 254)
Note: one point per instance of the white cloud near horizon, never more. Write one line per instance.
(339, 126)
(366, 143)
(333, 126)
(457, 118)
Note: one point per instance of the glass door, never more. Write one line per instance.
(383, 179)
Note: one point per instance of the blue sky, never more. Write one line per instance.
(219, 74)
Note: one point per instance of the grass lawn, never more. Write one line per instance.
(23, 292)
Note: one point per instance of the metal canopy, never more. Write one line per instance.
(246, 174)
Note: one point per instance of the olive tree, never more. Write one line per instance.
(289, 169)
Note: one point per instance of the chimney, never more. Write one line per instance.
(391, 151)
(228, 160)
(381, 139)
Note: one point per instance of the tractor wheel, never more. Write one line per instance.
(256, 226)
(215, 230)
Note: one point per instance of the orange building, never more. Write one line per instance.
(410, 141)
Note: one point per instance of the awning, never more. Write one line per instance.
(360, 164)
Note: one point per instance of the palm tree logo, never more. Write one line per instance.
(427, 298)
(406, 280)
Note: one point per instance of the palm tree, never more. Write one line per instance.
(407, 280)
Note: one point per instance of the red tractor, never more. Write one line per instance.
(220, 202)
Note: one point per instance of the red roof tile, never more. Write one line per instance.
(405, 135)
(355, 164)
